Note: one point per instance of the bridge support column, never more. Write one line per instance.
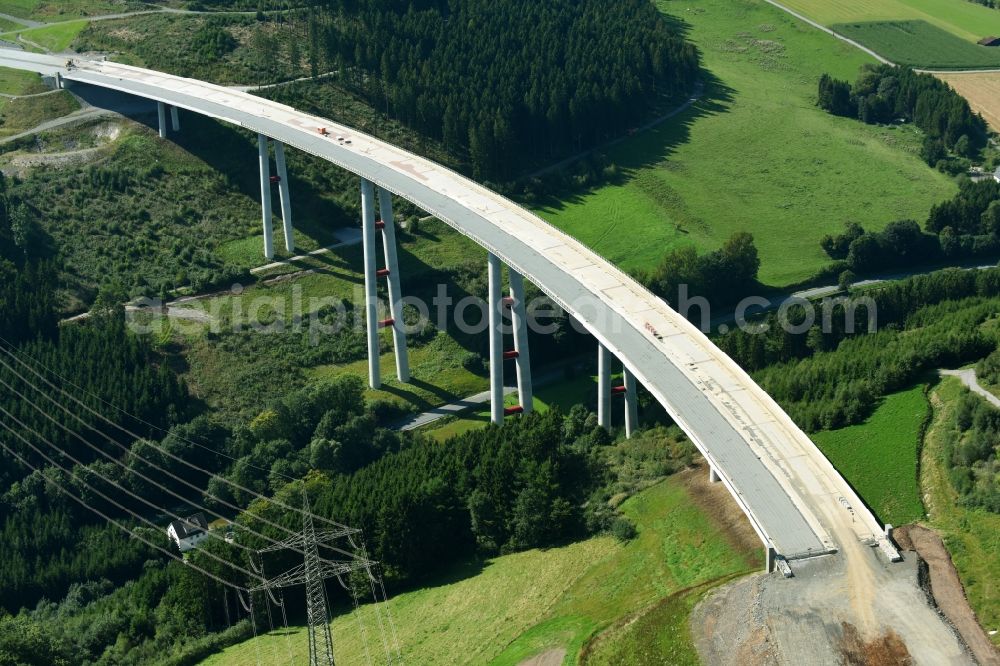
(713, 476)
(59, 81)
(603, 387)
(175, 120)
(395, 291)
(522, 355)
(286, 200)
(605, 392)
(265, 189)
(371, 288)
(631, 403)
(161, 113)
(769, 559)
(494, 304)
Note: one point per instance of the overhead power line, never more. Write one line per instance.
(159, 448)
(127, 469)
(112, 521)
(117, 504)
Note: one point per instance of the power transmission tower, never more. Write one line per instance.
(313, 573)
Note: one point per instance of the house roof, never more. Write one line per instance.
(190, 526)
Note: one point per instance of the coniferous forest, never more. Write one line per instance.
(509, 83)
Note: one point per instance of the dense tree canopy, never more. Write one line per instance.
(507, 81)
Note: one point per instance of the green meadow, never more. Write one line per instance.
(513, 607)
(754, 154)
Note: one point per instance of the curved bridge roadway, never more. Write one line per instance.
(796, 501)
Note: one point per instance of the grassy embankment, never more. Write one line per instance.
(971, 535)
(879, 456)
(755, 154)
(55, 38)
(32, 104)
(516, 606)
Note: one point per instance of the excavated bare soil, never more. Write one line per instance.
(946, 587)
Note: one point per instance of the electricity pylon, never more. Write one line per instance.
(313, 573)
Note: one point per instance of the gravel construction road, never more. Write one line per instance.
(765, 619)
(947, 590)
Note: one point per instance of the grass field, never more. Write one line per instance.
(920, 44)
(964, 19)
(879, 457)
(17, 115)
(64, 10)
(971, 535)
(8, 25)
(514, 607)
(19, 82)
(55, 38)
(755, 154)
(982, 90)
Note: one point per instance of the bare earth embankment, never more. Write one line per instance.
(765, 620)
(947, 590)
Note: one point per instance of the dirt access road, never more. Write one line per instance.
(947, 590)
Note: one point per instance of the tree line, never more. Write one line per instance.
(831, 373)
(966, 226)
(972, 456)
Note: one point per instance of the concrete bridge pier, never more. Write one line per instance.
(603, 387)
(371, 286)
(605, 392)
(265, 188)
(388, 226)
(522, 355)
(713, 475)
(769, 559)
(498, 355)
(631, 403)
(161, 114)
(286, 200)
(494, 304)
(175, 119)
(369, 225)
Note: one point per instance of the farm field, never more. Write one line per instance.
(972, 536)
(879, 456)
(718, 168)
(514, 607)
(967, 20)
(982, 90)
(920, 44)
